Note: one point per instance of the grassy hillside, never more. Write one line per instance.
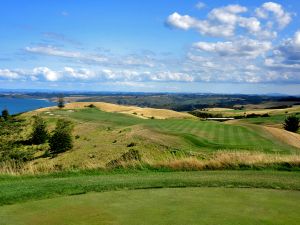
(193, 134)
(102, 137)
(147, 184)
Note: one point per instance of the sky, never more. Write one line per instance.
(250, 47)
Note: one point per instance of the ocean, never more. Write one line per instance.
(19, 105)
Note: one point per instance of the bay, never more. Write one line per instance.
(19, 105)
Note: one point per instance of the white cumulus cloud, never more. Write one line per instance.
(245, 47)
(282, 17)
(48, 74)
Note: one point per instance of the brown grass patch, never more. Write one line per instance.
(287, 137)
(230, 160)
(145, 113)
(218, 161)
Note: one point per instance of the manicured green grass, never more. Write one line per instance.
(272, 120)
(203, 206)
(215, 135)
(24, 188)
(201, 135)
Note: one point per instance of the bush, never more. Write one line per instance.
(205, 115)
(91, 106)
(291, 123)
(39, 134)
(130, 156)
(131, 144)
(5, 114)
(60, 102)
(61, 139)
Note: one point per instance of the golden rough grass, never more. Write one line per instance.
(216, 109)
(227, 160)
(219, 160)
(287, 137)
(145, 113)
(230, 112)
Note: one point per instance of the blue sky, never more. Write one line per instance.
(170, 46)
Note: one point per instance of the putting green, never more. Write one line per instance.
(213, 206)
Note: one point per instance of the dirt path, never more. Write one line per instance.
(285, 136)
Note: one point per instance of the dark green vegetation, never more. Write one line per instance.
(61, 139)
(39, 134)
(187, 102)
(13, 146)
(5, 114)
(24, 188)
(60, 102)
(291, 123)
(175, 206)
(21, 139)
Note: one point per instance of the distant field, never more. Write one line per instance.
(203, 206)
(232, 112)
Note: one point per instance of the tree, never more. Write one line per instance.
(60, 102)
(39, 134)
(5, 114)
(291, 123)
(61, 139)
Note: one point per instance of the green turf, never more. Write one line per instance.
(201, 135)
(25, 188)
(190, 206)
(271, 120)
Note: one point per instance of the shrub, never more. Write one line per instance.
(91, 106)
(5, 114)
(60, 102)
(291, 123)
(130, 156)
(131, 144)
(39, 134)
(61, 139)
(205, 115)
(265, 115)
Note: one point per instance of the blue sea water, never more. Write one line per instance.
(18, 105)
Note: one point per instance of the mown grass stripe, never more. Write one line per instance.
(19, 189)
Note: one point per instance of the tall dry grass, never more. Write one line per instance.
(230, 160)
(217, 161)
